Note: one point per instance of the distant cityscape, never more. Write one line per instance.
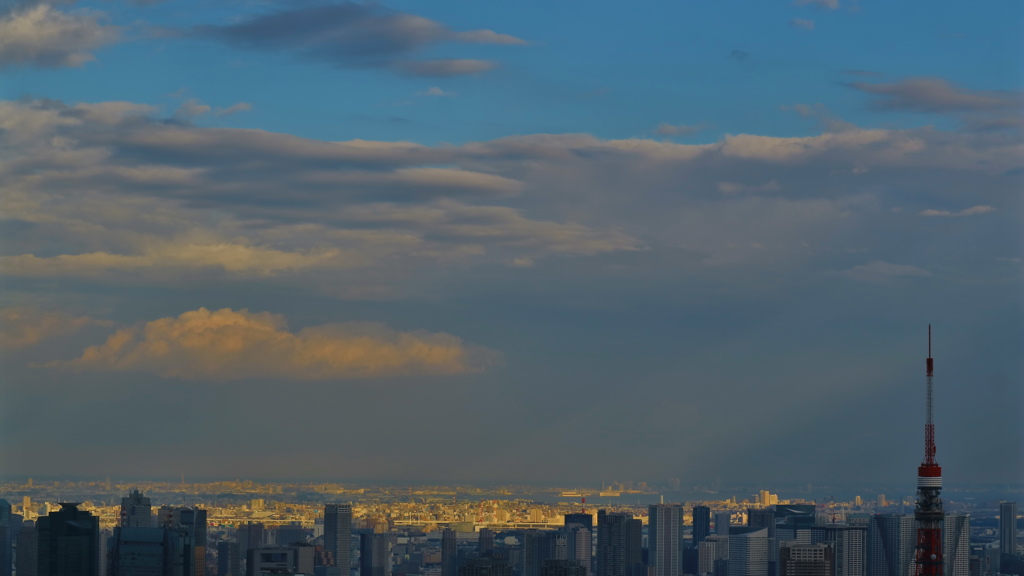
(247, 528)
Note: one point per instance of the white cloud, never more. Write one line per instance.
(972, 211)
(21, 327)
(226, 344)
(802, 23)
(435, 91)
(444, 68)
(43, 36)
(234, 109)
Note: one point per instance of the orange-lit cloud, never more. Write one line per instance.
(26, 326)
(228, 345)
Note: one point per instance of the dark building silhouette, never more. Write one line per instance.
(190, 524)
(619, 545)
(806, 560)
(136, 511)
(27, 561)
(665, 525)
(375, 554)
(485, 541)
(701, 524)
(228, 560)
(69, 542)
(490, 565)
(565, 567)
(1007, 532)
(449, 553)
(8, 532)
(338, 535)
(296, 559)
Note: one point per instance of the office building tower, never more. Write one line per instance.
(713, 550)
(664, 526)
(849, 544)
(228, 561)
(251, 535)
(8, 532)
(338, 535)
(619, 541)
(144, 551)
(136, 511)
(956, 546)
(288, 534)
(68, 542)
(891, 547)
(748, 551)
(485, 541)
(375, 554)
(28, 550)
(449, 553)
(579, 542)
(722, 520)
(191, 523)
(806, 560)
(1008, 528)
(297, 559)
(701, 524)
(490, 565)
(564, 567)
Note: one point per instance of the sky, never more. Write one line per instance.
(468, 241)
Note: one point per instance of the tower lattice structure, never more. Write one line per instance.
(929, 512)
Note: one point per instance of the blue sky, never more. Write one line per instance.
(510, 241)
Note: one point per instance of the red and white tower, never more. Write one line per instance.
(929, 513)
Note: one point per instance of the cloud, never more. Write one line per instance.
(936, 95)
(818, 112)
(190, 109)
(45, 37)
(444, 68)
(234, 109)
(972, 211)
(225, 344)
(802, 24)
(878, 271)
(828, 4)
(665, 129)
(21, 327)
(435, 91)
(736, 187)
(358, 35)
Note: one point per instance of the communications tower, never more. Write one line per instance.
(929, 513)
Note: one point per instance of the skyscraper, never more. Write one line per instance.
(701, 524)
(375, 554)
(619, 541)
(722, 520)
(68, 542)
(28, 550)
(664, 525)
(892, 540)
(228, 561)
(806, 560)
(748, 551)
(850, 549)
(338, 535)
(136, 511)
(141, 551)
(191, 522)
(956, 546)
(449, 553)
(579, 538)
(8, 532)
(485, 540)
(1007, 528)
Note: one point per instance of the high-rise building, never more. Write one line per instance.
(191, 523)
(27, 560)
(296, 559)
(579, 538)
(449, 553)
(490, 565)
(619, 541)
(8, 532)
(956, 546)
(68, 542)
(665, 523)
(136, 511)
(375, 554)
(1007, 528)
(338, 535)
(485, 541)
(722, 520)
(228, 561)
(564, 567)
(806, 560)
(849, 545)
(714, 549)
(701, 524)
(748, 551)
(143, 551)
(892, 541)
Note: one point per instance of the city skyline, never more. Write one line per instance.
(495, 242)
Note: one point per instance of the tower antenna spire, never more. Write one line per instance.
(928, 512)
